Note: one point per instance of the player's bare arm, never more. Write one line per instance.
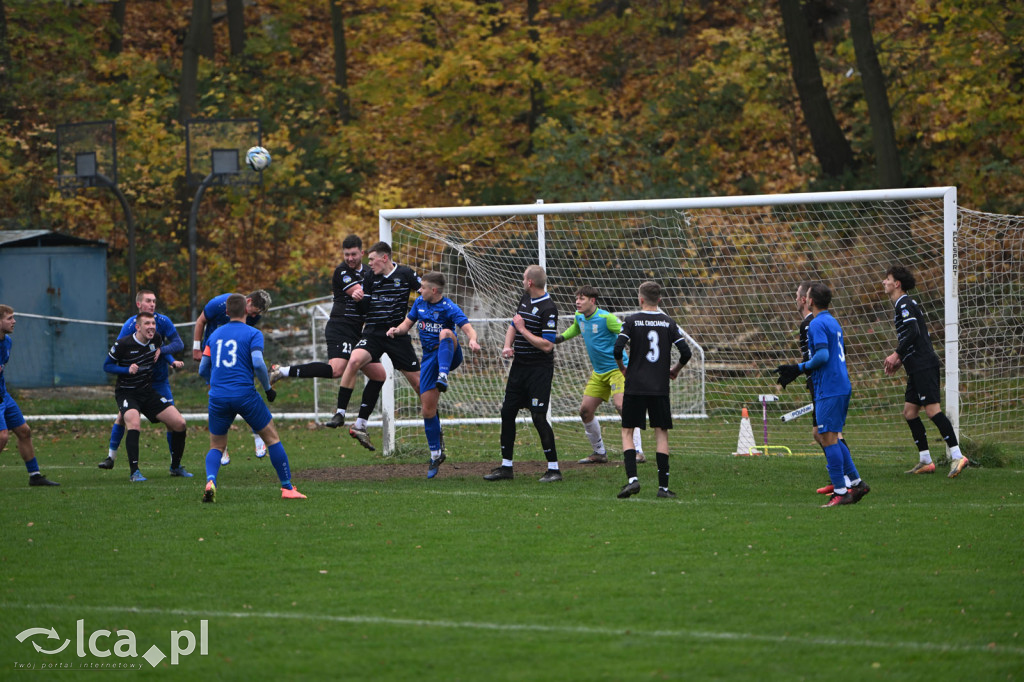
(402, 329)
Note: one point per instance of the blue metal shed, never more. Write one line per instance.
(55, 276)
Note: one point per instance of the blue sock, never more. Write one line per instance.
(835, 462)
(444, 355)
(432, 425)
(32, 465)
(116, 435)
(213, 465)
(848, 468)
(279, 459)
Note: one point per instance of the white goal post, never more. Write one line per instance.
(730, 266)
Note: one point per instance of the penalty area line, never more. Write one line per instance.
(703, 635)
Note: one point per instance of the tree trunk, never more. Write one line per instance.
(340, 62)
(830, 145)
(188, 94)
(202, 21)
(536, 87)
(5, 64)
(236, 26)
(883, 135)
(117, 13)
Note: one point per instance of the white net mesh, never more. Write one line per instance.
(730, 275)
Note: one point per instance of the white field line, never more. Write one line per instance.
(706, 635)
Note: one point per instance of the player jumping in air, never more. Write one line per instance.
(436, 317)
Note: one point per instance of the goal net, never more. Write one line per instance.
(730, 267)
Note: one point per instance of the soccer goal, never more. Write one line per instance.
(730, 267)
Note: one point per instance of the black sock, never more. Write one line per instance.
(344, 395)
(131, 446)
(629, 461)
(177, 448)
(945, 428)
(917, 431)
(508, 433)
(371, 393)
(311, 369)
(547, 435)
(662, 470)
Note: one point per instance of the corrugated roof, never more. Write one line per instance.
(22, 238)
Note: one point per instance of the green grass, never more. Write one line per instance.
(743, 577)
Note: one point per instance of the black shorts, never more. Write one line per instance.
(341, 339)
(923, 387)
(636, 408)
(147, 401)
(528, 386)
(399, 349)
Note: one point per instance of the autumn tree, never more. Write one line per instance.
(198, 42)
(117, 15)
(830, 145)
(341, 97)
(236, 26)
(883, 136)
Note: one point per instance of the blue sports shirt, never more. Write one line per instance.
(172, 342)
(216, 312)
(230, 350)
(599, 332)
(5, 355)
(431, 318)
(830, 379)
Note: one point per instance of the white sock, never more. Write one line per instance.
(506, 463)
(283, 369)
(638, 442)
(593, 431)
(552, 466)
(926, 456)
(360, 424)
(435, 454)
(955, 453)
(112, 454)
(634, 478)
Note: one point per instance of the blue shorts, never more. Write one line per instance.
(831, 413)
(428, 367)
(222, 412)
(163, 389)
(10, 414)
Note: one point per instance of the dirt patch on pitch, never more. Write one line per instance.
(388, 471)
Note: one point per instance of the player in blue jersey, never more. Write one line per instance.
(831, 395)
(599, 329)
(145, 300)
(232, 358)
(11, 418)
(436, 317)
(214, 315)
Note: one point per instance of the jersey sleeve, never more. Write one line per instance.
(128, 328)
(456, 314)
(613, 323)
(414, 313)
(573, 330)
(549, 325)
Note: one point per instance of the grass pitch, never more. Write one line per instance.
(382, 574)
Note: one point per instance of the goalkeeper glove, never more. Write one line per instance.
(271, 394)
(787, 374)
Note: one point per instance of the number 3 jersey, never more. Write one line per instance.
(230, 350)
(651, 335)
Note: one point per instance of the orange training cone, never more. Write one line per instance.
(745, 445)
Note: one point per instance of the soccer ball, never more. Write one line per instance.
(258, 158)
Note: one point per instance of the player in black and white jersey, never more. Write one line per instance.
(342, 332)
(386, 292)
(650, 335)
(530, 343)
(915, 353)
(132, 358)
